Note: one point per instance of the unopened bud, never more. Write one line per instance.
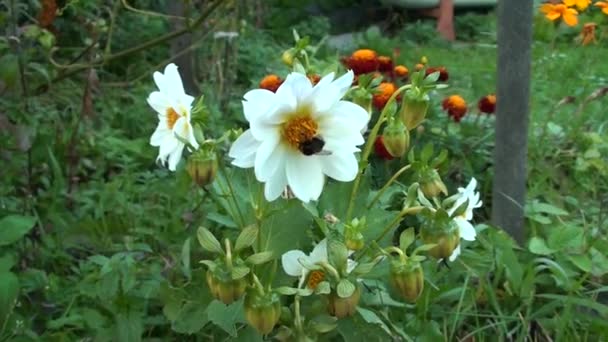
(414, 108)
(262, 311)
(225, 290)
(288, 57)
(343, 307)
(431, 184)
(202, 167)
(407, 278)
(445, 236)
(396, 138)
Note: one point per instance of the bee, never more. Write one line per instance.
(313, 146)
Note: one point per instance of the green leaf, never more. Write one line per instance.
(305, 292)
(538, 246)
(211, 264)
(9, 291)
(426, 153)
(324, 323)
(371, 317)
(323, 288)
(186, 259)
(406, 238)
(259, 258)
(226, 316)
(14, 227)
(337, 254)
(423, 248)
(286, 229)
(286, 290)
(582, 261)
(364, 268)
(239, 272)
(246, 238)
(208, 241)
(345, 288)
(129, 325)
(192, 317)
(432, 78)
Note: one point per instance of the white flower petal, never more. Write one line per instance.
(158, 101)
(243, 150)
(351, 112)
(343, 83)
(319, 253)
(173, 82)
(455, 254)
(167, 146)
(258, 103)
(184, 130)
(286, 95)
(350, 265)
(291, 263)
(304, 176)
(323, 96)
(275, 186)
(341, 167)
(467, 231)
(159, 135)
(269, 156)
(300, 85)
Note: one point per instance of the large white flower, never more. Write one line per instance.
(300, 134)
(173, 106)
(293, 264)
(467, 231)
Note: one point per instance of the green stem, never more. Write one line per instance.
(385, 187)
(368, 148)
(228, 254)
(222, 169)
(298, 320)
(258, 284)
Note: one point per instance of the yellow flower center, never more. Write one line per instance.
(315, 278)
(299, 129)
(172, 117)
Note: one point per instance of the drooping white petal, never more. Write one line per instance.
(159, 135)
(175, 156)
(467, 231)
(184, 130)
(455, 253)
(300, 85)
(269, 156)
(304, 176)
(291, 263)
(167, 146)
(342, 167)
(243, 150)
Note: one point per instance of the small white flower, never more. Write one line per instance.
(293, 261)
(173, 106)
(467, 231)
(300, 134)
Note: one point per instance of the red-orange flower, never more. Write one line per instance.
(271, 82)
(380, 149)
(384, 91)
(443, 73)
(455, 106)
(401, 71)
(362, 61)
(385, 64)
(47, 14)
(556, 11)
(487, 104)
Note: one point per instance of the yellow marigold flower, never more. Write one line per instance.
(603, 5)
(271, 82)
(588, 34)
(554, 12)
(401, 71)
(581, 5)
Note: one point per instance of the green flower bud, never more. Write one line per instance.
(396, 138)
(343, 307)
(431, 183)
(352, 234)
(202, 167)
(445, 235)
(407, 278)
(262, 311)
(414, 107)
(225, 290)
(288, 56)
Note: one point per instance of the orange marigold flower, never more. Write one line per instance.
(581, 5)
(556, 11)
(487, 104)
(588, 34)
(385, 64)
(401, 71)
(362, 61)
(384, 91)
(443, 73)
(380, 149)
(314, 78)
(271, 82)
(455, 106)
(603, 5)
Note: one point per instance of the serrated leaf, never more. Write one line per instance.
(259, 258)
(286, 290)
(14, 227)
(323, 288)
(239, 272)
(226, 316)
(406, 238)
(208, 241)
(345, 288)
(246, 238)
